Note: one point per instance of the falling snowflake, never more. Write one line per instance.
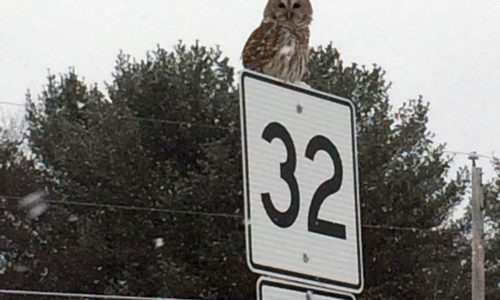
(37, 210)
(122, 282)
(35, 204)
(158, 242)
(3, 263)
(72, 218)
(31, 199)
(20, 268)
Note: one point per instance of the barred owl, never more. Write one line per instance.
(280, 45)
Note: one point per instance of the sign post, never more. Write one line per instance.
(300, 169)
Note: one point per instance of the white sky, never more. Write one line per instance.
(445, 50)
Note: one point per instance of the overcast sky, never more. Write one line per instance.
(445, 50)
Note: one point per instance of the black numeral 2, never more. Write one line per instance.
(329, 187)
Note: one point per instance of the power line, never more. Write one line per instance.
(230, 128)
(152, 120)
(12, 103)
(205, 214)
(195, 124)
(78, 295)
(173, 122)
(469, 154)
(412, 229)
(132, 208)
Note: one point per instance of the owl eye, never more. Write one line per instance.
(281, 5)
(296, 5)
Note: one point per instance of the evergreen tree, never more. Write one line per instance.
(139, 149)
(402, 185)
(168, 138)
(21, 238)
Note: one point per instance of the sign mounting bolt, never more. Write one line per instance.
(309, 295)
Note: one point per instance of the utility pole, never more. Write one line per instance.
(477, 205)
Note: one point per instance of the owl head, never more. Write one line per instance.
(296, 12)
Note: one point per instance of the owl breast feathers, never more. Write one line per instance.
(279, 47)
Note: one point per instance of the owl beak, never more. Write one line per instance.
(289, 15)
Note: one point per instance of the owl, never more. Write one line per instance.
(279, 47)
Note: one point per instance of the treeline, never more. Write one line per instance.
(142, 188)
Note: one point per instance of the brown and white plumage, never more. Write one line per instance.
(280, 45)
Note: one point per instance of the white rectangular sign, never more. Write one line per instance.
(271, 289)
(301, 184)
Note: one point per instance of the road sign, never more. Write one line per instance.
(271, 289)
(300, 183)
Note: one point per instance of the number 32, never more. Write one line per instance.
(329, 187)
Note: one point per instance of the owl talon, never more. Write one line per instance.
(303, 84)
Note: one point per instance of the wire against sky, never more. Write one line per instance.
(11, 103)
(470, 153)
(152, 120)
(195, 124)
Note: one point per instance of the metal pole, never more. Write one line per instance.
(477, 205)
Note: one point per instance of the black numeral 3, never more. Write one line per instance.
(287, 218)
